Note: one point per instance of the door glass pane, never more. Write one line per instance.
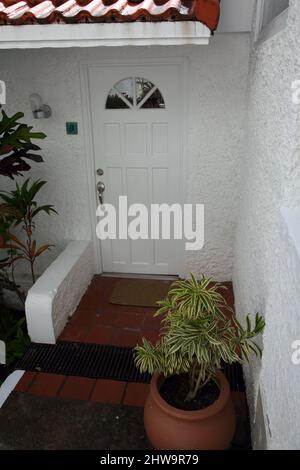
(125, 87)
(154, 101)
(131, 93)
(114, 101)
(142, 87)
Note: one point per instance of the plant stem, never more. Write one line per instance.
(193, 393)
(192, 375)
(18, 291)
(28, 231)
(32, 271)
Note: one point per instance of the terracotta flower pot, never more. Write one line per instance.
(169, 428)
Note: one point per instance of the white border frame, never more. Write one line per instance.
(182, 63)
(274, 27)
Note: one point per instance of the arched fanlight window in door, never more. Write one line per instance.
(134, 93)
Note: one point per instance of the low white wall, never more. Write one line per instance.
(216, 94)
(267, 265)
(56, 294)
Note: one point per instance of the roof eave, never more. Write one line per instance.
(104, 34)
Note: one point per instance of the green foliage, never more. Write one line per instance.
(18, 207)
(198, 333)
(16, 146)
(21, 201)
(14, 133)
(13, 333)
(21, 207)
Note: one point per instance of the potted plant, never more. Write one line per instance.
(189, 406)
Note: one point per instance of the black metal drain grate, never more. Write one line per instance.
(99, 362)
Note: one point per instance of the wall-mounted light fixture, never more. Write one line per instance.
(39, 110)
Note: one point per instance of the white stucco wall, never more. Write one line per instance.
(267, 265)
(216, 101)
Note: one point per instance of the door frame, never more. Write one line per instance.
(88, 142)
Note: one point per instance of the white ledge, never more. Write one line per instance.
(56, 294)
(104, 34)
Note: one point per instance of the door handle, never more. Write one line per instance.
(100, 189)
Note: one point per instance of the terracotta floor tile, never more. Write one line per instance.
(25, 382)
(82, 318)
(47, 384)
(98, 293)
(101, 334)
(103, 282)
(91, 300)
(96, 320)
(152, 323)
(108, 391)
(74, 333)
(128, 320)
(136, 394)
(103, 318)
(126, 338)
(150, 335)
(145, 311)
(77, 388)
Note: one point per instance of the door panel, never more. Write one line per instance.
(139, 150)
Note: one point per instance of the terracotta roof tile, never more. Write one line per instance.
(16, 12)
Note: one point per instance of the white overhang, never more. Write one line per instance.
(104, 34)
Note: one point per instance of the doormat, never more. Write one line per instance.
(139, 292)
(99, 361)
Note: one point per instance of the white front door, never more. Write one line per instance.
(136, 125)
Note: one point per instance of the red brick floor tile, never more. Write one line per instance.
(103, 318)
(103, 282)
(150, 335)
(126, 338)
(136, 394)
(96, 320)
(152, 323)
(74, 332)
(98, 294)
(144, 311)
(77, 388)
(103, 285)
(25, 382)
(128, 320)
(46, 384)
(82, 318)
(91, 301)
(108, 391)
(100, 334)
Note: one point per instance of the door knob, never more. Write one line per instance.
(100, 188)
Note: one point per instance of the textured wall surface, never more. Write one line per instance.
(267, 266)
(217, 83)
(56, 294)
